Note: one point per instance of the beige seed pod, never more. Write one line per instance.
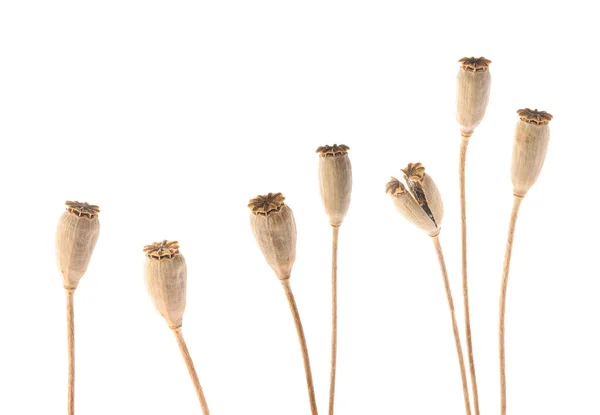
(165, 274)
(274, 228)
(421, 203)
(473, 92)
(76, 236)
(335, 179)
(529, 152)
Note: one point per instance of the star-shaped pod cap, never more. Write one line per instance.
(266, 204)
(474, 64)
(162, 250)
(82, 209)
(534, 116)
(334, 150)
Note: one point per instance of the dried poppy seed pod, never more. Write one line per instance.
(420, 203)
(274, 228)
(335, 179)
(529, 151)
(76, 236)
(472, 93)
(165, 274)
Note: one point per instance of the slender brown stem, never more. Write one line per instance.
(334, 251)
(294, 309)
(461, 361)
(505, 270)
(71, 349)
(191, 369)
(465, 284)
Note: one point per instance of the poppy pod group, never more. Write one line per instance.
(415, 196)
(419, 201)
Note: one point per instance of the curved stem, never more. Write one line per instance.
(302, 339)
(461, 361)
(334, 251)
(463, 219)
(191, 369)
(505, 270)
(70, 293)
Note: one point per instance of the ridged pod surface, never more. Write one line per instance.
(335, 179)
(274, 228)
(532, 136)
(473, 84)
(76, 237)
(165, 275)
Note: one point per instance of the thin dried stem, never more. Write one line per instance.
(465, 284)
(505, 270)
(70, 293)
(461, 361)
(302, 339)
(334, 254)
(191, 369)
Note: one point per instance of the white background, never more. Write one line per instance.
(171, 115)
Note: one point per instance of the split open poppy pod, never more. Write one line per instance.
(335, 179)
(274, 228)
(420, 201)
(473, 92)
(529, 152)
(76, 237)
(165, 274)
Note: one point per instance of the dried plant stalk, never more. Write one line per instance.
(421, 203)
(335, 179)
(76, 237)
(289, 295)
(165, 275)
(461, 361)
(334, 317)
(274, 228)
(529, 152)
(505, 271)
(71, 351)
(465, 283)
(473, 92)
(191, 369)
